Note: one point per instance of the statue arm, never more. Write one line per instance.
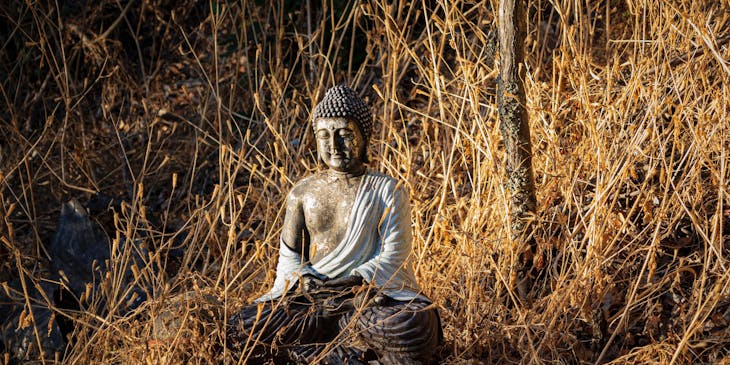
(292, 232)
(292, 265)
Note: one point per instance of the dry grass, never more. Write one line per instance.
(196, 116)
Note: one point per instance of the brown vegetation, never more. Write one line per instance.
(194, 116)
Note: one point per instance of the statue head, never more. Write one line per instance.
(342, 125)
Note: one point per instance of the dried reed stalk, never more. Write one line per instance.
(197, 118)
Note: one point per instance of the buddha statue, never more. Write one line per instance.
(345, 289)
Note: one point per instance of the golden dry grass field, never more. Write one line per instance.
(191, 121)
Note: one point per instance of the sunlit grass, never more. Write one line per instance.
(201, 127)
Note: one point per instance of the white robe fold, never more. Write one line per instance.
(376, 246)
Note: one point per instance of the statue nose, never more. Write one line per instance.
(335, 144)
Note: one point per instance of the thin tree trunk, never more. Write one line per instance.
(514, 123)
(512, 112)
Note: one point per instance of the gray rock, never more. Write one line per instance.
(79, 248)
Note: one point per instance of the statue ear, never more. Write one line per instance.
(364, 152)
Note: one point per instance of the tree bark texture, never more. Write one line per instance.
(513, 114)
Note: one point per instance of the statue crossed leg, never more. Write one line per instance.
(392, 332)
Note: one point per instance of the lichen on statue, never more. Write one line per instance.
(345, 289)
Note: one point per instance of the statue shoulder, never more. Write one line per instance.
(305, 186)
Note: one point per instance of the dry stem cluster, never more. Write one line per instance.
(193, 118)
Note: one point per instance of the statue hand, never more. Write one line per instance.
(311, 283)
(370, 298)
(345, 282)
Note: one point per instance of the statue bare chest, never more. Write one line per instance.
(327, 210)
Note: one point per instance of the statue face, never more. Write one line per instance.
(340, 143)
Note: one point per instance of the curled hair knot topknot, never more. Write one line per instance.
(342, 102)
